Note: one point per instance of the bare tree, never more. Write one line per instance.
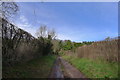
(52, 33)
(42, 31)
(8, 9)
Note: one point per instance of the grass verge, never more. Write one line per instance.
(94, 69)
(36, 68)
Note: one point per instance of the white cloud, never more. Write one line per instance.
(23, 23)
(73, 37)
(63, 37)
(23, 19)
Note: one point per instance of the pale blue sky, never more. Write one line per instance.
(76, 21)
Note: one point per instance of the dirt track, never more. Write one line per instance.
(56, 70)
(62, 69)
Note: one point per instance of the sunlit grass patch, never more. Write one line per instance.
(94, 68)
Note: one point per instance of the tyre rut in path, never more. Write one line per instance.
(56, 70)
(69, 70)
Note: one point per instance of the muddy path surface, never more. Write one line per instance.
(62, 69)
(71, 71)
(56, 70)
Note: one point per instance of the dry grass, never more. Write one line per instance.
(98, 60)
(105, 50)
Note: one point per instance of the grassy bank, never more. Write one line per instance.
(36, 68)
(94, 69)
